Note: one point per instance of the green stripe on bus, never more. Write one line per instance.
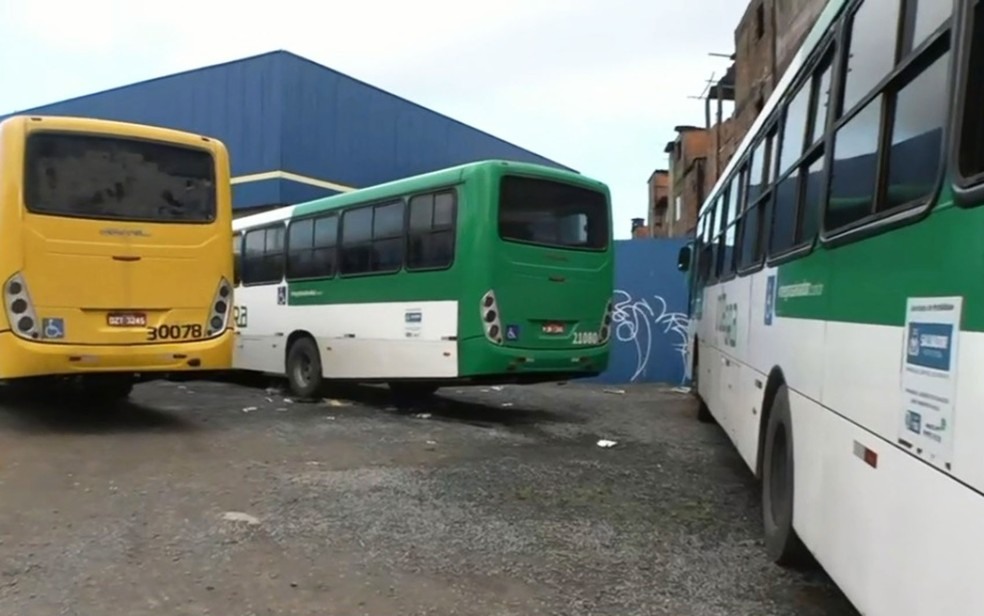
(869, 281)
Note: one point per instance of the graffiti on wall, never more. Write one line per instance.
(637, 320)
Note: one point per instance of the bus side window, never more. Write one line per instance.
(237, 259)
(430, 242)
(263, 255)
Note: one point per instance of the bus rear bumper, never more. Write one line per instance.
(24, 358)
(482, 359)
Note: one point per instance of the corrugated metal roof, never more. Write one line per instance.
(283, 115)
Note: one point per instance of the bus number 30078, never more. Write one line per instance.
(174, 332)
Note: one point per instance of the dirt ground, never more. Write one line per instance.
(226, 499)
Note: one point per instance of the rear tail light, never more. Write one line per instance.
(606, 323)
(218, 317)
(20, 308)
(490, 318)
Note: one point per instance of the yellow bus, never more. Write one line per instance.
(114, 253)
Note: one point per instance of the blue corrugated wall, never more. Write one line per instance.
(240, 103)
(650, 314)
(342, 130)
(281, 112)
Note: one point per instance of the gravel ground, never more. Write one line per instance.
(226, 499)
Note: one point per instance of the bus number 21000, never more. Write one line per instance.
(586, 338)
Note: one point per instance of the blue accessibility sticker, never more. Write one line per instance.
(53, 328)
(512, 332)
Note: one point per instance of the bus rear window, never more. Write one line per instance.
(552, 214)
(89, 176)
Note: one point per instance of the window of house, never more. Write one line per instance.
(263, 255)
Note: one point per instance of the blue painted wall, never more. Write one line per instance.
(649, 340)
(281, 112)
(239, 103)
(342, 130)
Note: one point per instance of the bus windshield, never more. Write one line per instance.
(552, 214)
(92, 176)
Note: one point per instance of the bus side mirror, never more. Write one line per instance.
(683, 259)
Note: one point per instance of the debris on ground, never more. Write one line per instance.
(606, 444)
(681, 390)
(334, 402)
(618, 392)
(507, 404)
(422, 415)
(239, 516)
(249, 409)
(497, 388)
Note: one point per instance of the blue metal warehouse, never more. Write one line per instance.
(297, 130)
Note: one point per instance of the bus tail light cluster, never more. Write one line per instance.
(20, 310)
(606, 323)
(490, 318)
(218, 316)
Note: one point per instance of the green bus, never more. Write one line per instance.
(488, 272)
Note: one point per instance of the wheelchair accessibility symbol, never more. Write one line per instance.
(53, 328)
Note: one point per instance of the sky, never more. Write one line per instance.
(597, 85)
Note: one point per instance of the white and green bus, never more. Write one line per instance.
(839, 312)
(489, 272)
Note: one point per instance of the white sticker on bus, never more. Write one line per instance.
(929, 377)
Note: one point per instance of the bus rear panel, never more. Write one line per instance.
(547, 310)
(114, 249)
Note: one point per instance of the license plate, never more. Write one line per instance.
(126, 319)
(553, 328)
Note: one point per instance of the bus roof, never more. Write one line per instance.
(417, 183)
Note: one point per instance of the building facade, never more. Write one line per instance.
(297, 130)
(688, 179)
(659, 201)
(767, 39)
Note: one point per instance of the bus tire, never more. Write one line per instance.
(782, 544)
(304, 368)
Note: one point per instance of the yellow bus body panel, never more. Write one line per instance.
(79, 271)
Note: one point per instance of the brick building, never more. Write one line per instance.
(688, 179)
(659, 200)
(766, 40)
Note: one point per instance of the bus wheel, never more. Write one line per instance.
(782, 543)
(304, 368)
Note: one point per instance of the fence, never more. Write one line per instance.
(650, 322)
